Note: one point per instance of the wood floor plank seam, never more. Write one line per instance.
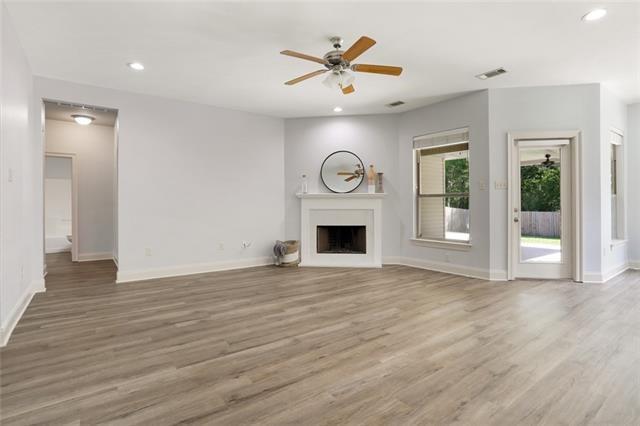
(266, 345)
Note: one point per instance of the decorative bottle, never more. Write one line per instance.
(304, 185)
(371, 179)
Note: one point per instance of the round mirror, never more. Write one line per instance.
(342, 171)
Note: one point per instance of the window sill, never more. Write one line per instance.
(450, 245)
(616, 243)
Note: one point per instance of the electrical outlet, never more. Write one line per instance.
(483, 185)
(246, 244)
(147, 251)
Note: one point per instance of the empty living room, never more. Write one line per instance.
(319, 213)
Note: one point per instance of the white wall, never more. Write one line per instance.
(58, 202)
(613, 115)
(547, 108)
(20, 273)
(194, 181)
(467, 111)
(373, 138)
(94, 153)
(632, 142)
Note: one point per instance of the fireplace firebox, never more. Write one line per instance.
(344, 239)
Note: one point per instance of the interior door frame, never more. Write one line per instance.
(574, 137)
(74, 200)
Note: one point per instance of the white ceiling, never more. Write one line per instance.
(227, 54)
(63, 111)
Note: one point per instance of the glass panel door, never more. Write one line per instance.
(540, 202)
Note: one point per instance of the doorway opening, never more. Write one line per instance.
(80, 182)
(544, 207)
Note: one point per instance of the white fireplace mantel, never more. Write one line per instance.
(355, 208)
(351, 195)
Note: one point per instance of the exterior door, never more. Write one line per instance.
(542, 242)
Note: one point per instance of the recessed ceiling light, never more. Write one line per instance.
(594, 15)
(135, 66)
(337, 109)
(83, 119)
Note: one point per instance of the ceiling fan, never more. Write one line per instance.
(338, 63)
(548, 162)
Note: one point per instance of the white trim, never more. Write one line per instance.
(616, 243)
(57, 250)
(448, 268)
(88, 257)
(444, 244)
(634, 264)
(348, 195)
(6, 330)
(200, 268)
(598, 278)
(575, 137)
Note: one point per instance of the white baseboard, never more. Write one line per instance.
(36, 286)
(176, 271)
(634, 264)
(449, 268)
(599, 278)
(57, 250)
(88, 257)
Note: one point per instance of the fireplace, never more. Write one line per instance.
(341, 239)
(341, 230)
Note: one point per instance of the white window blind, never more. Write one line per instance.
(441, 138)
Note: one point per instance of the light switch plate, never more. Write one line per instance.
(501, 184)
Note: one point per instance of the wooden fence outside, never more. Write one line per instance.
(540, 224)
(534, 224)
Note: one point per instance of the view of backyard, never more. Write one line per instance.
(540, 218)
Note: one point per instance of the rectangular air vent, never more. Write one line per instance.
(492, 73)
(395, 104)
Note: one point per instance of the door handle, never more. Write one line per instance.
(515, 219)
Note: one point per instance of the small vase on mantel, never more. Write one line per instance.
(379, 187)
(304, 185)
(371, 180)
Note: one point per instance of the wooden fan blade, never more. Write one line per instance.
(350, 179)
(359, 47)
(377, 69)
(348, 89)
(303, 56)
(345, 173)
(304, 77)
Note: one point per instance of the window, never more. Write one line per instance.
(442, 186)
(617, 228)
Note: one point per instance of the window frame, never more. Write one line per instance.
(437, 242)
(615, 146)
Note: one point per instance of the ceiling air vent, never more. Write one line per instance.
(492, 73)
(395, 104)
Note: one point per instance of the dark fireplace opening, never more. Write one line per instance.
(342, 239)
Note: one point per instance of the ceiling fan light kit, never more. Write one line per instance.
(338, 63)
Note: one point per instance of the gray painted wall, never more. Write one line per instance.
(308, 141)
(633, 160)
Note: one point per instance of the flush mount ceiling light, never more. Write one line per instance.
(137, 66)
(337, 109)
(594, 15)
(82, 119)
